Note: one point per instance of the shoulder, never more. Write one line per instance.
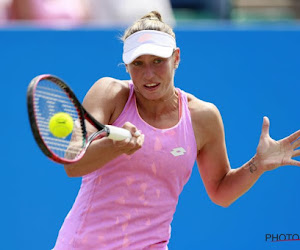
(107, 96)
(202, 110)
(206, 120)
(109, 88)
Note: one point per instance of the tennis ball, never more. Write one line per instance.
(61, 124)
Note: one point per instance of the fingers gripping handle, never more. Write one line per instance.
(118, 134)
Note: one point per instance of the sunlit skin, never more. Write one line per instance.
(153, 79)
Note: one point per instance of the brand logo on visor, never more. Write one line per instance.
(144, 38)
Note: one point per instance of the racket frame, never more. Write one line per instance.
(83, 114)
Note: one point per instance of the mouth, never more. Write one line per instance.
(151, 86)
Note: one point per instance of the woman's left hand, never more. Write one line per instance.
(272, 154)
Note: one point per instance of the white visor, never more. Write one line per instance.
(148, 42)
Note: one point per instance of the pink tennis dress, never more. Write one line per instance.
(129, 203)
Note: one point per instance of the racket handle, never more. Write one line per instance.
(118, 134)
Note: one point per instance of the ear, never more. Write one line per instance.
(176, 58)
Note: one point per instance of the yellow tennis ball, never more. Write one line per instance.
(61, 125)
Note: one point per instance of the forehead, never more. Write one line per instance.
(146, 57)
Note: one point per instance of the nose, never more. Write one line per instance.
(148, 72)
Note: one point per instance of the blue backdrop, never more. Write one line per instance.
(247, 72)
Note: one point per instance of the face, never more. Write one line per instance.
(153, 76)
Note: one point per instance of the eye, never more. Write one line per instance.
(157, 60)
(137, 63)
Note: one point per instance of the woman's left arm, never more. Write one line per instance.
(223, 184)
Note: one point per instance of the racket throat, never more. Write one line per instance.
(98, 135)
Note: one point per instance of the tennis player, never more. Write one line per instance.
(130, 189)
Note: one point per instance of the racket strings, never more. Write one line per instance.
(49, 99)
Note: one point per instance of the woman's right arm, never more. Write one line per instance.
(105, 101)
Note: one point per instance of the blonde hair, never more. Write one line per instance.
(151, 21)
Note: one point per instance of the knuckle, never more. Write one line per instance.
(128, 124)
(131, 144)
(133, 129)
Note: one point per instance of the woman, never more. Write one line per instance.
(130, 189)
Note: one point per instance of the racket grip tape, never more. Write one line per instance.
(118, 134)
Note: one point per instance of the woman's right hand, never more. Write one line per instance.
(130, 146)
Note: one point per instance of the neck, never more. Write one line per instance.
(159, 107)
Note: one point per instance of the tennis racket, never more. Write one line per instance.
(48, 95)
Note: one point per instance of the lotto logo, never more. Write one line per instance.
(178, 151)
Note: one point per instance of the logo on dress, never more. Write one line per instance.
(178, 151)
